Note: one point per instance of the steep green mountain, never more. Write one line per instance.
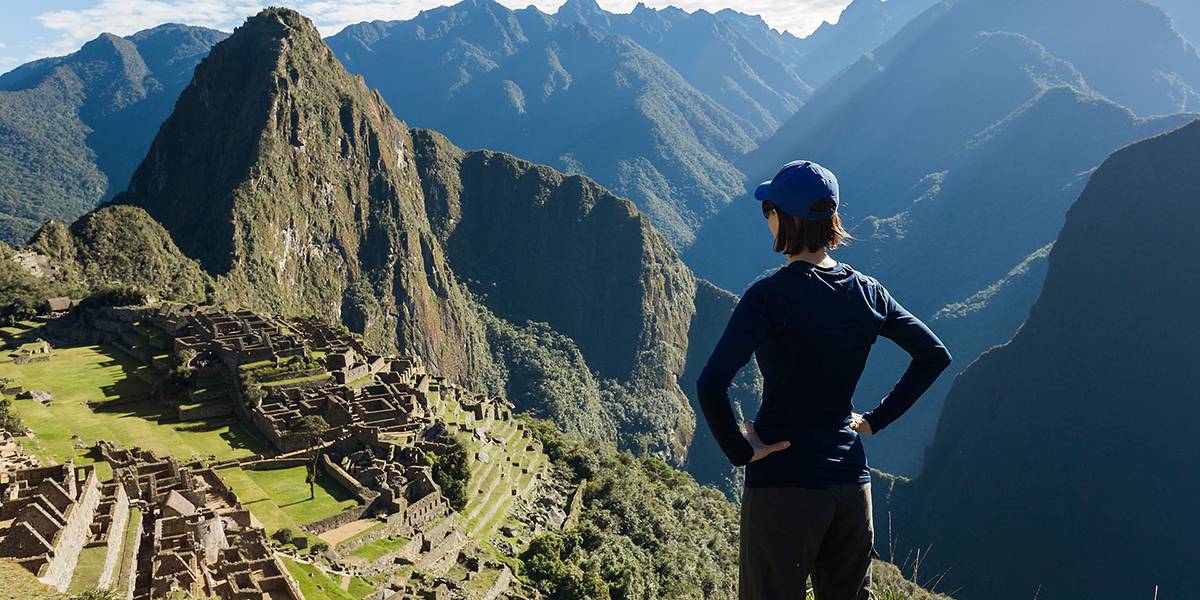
(734, 58)
(293, 186)
(959, 146)
(537, 246)
(1074, 433)
(861, 27)
(297, 191)
(564, 95)
(73, 128)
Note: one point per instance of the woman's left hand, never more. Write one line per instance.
(859, 424)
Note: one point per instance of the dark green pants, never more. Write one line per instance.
(790, 533)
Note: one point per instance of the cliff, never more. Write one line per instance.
(1063, 461)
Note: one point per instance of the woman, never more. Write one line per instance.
(806, 509)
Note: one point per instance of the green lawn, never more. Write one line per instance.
(75, 376)
(315, 584)
(279, 498)
(373, 550)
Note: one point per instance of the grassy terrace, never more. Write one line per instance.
(316, 584)
(279, 498)
(374, 550)
(75, 376)
(489, 495)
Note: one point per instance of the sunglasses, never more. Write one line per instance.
(767, 209)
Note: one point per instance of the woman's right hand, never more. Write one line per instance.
(761, 450)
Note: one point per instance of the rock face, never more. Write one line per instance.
(960, 144)
(294, 186)
(538, 246)
(73, 128)
(1063, 460)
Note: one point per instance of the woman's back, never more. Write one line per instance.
(812, 329)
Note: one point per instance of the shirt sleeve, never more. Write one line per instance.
(929, 359)
(748, 326)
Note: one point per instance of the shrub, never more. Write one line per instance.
(284, 535)
(452, 471)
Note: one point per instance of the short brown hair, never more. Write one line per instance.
(797, 234)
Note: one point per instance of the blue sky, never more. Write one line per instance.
(31, 29)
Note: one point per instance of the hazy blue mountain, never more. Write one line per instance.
(861, 27)
(1185, 16)
(959, 152)
(73, 128)
(734, 58)
(564, 95)
(1064, 462)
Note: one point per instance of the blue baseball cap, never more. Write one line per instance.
(797, 186)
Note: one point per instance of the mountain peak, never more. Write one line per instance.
(581, 11)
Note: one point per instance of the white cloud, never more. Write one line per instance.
(74, 27)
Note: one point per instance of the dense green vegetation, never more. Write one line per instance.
(73, 127)
(645, 530)
(21, 293)
(452, 471)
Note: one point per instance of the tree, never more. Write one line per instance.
(10, 421)
(284, 535)
(452, 472)
(314, 424)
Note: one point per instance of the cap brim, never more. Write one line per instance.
(760, 192)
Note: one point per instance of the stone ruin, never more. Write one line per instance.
(196, 538)
(47, 515)
(233, 337)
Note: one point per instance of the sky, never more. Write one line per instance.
(31, 29)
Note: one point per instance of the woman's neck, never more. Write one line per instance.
(821, 259)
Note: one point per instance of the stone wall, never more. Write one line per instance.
(349, 482)
(57, 573)
(500, 586)
(342, 518)
(116, 538)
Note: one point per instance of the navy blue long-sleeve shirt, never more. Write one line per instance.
(811, 330)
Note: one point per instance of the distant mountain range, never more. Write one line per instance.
(960, 144)
(73, 128)
(1064, 464)
(655, 104)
